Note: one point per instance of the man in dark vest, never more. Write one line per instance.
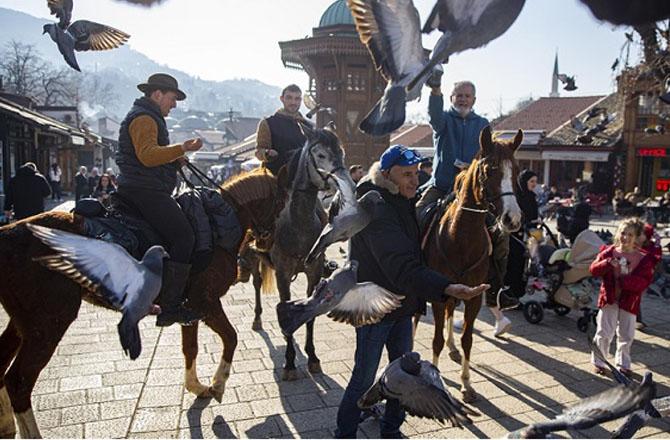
(148, 166)
(279, 135)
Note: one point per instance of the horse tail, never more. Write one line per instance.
(268, 282)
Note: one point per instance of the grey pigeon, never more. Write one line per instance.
(569, 82)
(391, 30)
(627, 12)
(665, 98)
(639, 418)
(352, 217)
(610, 404)
(343, 298)
(108, 270)
(417, 385)
(82, 35)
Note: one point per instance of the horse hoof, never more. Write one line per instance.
(469, 396)
(314, 367)
(217, 395)
(289, 374)
(257, 325)
(455, 356)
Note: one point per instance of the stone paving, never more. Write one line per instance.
(89, 390)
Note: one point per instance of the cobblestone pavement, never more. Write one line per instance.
(90, 390)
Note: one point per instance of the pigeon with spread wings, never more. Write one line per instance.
(108, 270)
(82, 35)
(417, 385)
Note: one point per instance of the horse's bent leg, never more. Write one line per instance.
(313, 362)
(454, 354)
(438, 336)
(471, 311)
(38, 344)
(9, 345)
(258, 309)
(218, 321)
(284, 287)
(189, 346)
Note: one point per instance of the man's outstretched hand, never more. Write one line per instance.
(461, 291)
(191, 145)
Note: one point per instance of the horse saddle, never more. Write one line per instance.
(432, 210)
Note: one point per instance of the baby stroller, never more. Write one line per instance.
(559, 279)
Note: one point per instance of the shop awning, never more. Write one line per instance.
(42, 121)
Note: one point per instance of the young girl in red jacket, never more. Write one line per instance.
(626, 271)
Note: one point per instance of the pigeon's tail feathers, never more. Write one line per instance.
(129, 334)
(633, 423)
(292, 314)
(388, 114)
(371, 396)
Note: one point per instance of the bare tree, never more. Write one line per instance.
(20, 65)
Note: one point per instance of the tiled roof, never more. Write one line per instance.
(241, 127)
(212, 137)
(565, 134)
(413, 136)
(546, 113)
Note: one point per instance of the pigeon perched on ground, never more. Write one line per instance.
(610, 404)
(391, 31)
(417, 385)
(108, 270)
(82, 35)
(350, 219)
(344, 299)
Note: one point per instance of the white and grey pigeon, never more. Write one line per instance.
(82, 35)
(343, 298)
(418, 387)
(347, 217)
(605, 406)
(108, 270)
(391, 30)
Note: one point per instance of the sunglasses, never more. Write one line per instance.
(406, 154)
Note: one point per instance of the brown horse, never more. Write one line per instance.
(459, 245)
(42, 304)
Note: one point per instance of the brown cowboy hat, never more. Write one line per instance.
(162, 81)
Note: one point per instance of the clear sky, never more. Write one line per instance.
(223, 39)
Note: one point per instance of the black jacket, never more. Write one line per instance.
(526, 198)
(26, 192)
(388, 250)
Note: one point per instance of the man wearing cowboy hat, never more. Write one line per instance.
(148, 166)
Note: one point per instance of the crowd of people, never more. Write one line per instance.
(388, 249)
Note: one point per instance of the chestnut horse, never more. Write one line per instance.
(42, 304)
(459, 246)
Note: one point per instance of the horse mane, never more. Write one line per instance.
(251, 186)
(468, 179)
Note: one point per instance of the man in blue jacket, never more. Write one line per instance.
(388, 251)
(456, 138)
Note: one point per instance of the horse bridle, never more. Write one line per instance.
(491, 209)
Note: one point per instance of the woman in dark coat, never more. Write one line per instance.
(525, 196)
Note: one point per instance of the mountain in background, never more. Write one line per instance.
(124, 68)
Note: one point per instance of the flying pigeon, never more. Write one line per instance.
(627, 12)
(417, 385)
(344, 299)
(391, 31)
(665, 98)
(569, 82)
(351, 218)
(82, 35)
(108, 270)
(610, 404)
(639, 418)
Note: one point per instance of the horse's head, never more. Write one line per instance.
(260, 199)
(496, 171)
(322, 156)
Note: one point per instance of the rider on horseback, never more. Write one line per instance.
(148, 165)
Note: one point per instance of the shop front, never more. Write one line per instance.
(567, 169)
(653, 170)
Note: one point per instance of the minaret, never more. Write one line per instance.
(554, 79)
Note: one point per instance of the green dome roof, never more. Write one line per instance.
(338, 13)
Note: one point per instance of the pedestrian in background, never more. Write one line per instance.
(26, 192)
(104, 189)
(93, 179)
(55, 174)
(81, 183)
(356, 172)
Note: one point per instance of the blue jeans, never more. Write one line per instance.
(370, 341)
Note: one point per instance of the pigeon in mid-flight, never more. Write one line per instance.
(627, 12)
(343, 298)
(82, 35)
(569, 82)
(417, 385)
(391, 30)
(108, 270)
(347, 217)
